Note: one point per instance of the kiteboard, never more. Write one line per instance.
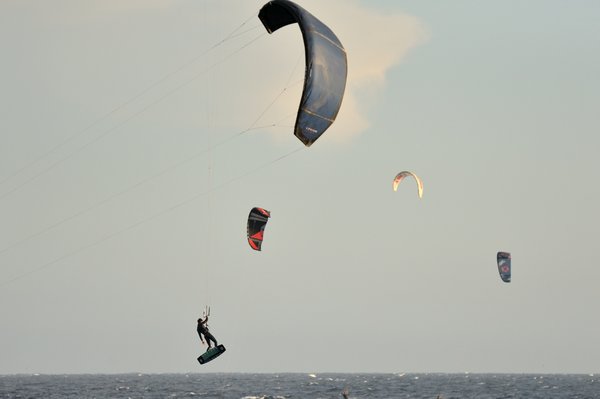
(211, 354)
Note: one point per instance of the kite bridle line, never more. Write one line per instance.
(234, 34)
(212, 186)
(145, 220)
(164, 171)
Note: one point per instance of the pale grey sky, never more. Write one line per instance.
(121, 219)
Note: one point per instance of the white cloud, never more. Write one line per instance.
(375, 42)
(239, 89)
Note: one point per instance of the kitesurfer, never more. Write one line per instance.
(203, 331)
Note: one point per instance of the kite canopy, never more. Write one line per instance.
(257, 221)
(504, 265)
(326, 67)
(400, 176)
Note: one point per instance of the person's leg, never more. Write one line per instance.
(209, 337)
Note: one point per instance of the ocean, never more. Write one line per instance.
(290, 385)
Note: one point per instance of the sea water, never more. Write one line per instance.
(288, 386)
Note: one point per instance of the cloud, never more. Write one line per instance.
(375, 42)
(247, 79)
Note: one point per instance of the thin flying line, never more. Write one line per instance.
(114, 128)
(294, 70)
(270, 105)
(126, 103)
(147, 219)
(138, 184)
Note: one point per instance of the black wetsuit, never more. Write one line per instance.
(207, 335)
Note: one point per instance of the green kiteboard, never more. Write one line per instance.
(211, 354)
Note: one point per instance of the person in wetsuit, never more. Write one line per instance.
(203, 331)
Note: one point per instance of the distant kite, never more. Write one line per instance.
(400, 176)
(257, 221)
(326, 67)
(504, 265)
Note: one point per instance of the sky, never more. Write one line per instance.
(135, 137)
